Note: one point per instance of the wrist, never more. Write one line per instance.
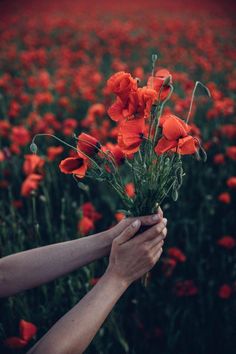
(121, 281)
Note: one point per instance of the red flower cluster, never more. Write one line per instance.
(27, 331)
(89, 218)
(33, 169)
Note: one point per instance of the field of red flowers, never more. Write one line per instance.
(55, 60)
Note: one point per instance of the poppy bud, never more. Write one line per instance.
(33, 148)
(175, 195)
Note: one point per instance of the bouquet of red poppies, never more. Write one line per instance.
(149, 147)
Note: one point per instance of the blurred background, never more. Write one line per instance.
(55, 59)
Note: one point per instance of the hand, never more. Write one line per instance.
(130, 257)
(148, 220)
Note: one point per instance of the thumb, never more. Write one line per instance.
(129, 232)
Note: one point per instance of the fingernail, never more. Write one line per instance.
(136, 223)
(155, 217)
(165, 221)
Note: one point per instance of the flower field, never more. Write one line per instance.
(55, 62)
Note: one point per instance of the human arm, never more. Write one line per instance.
(130, 258)
(28, 269)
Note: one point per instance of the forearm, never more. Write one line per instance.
(32, 268)
(74, 331)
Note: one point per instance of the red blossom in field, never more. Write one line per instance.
(228, 130)
(27, 331)
(89, 211)
(88, 145)
(33, 164)
(30, 184)
(53, 152)
(85, 225)
(116, 153)
(227, 242)
(20, 136)
(130, 190)
(5, 127)
(225, 291)
(69, 126)
(231, 182)
(74, 165)
(224, 198)
(219, 159)
(231, 152)
(177, 254)
(185, 288)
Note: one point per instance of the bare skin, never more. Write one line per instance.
(41, 265)
(130, 258)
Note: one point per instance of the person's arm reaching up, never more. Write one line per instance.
(130, 258)
(34, 267)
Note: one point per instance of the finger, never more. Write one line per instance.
(129, 232)
(153, 232)
(156, 248)
(160, 212)
(158, 255)
(148, 220)
(154, 242)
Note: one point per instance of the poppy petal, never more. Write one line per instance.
(187, 145)
(27, 330)
(164, 145)
(15, 342)
(115, 111)
(174, 128)
(74, 165)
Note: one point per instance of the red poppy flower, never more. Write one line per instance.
(15, 343)
(225, 291)
(89, 211)
(147, 98)
(130, 190)
(53, 152)
(116, 153)
(177, 254)
(219, 159)
(231, 152)
(88, 144)
(224, 198)
(30, 184)
(20, 136)
(231, 182)
(33, 164)
(74, 165)
(121, 84)
(85, 225)
(227, 242)
(161, 83)
(27, 330)
(175, 136)
(131, 135)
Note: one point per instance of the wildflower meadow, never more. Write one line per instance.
(108, 111)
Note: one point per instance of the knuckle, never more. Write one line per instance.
(115, 242)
